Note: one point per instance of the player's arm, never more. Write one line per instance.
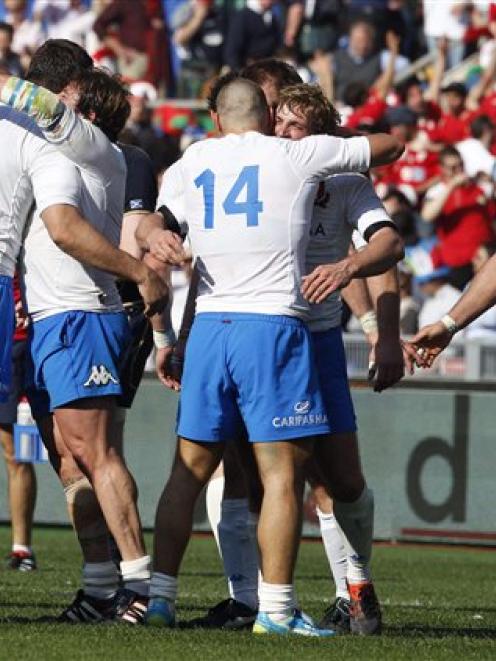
(382, 246)
(480, 296)
(384, 250)
(79, 140)
(389, 358)
(75, 236)
(318, 156)
(162, 233)
(140, 197)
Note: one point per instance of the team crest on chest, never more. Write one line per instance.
(323, 196)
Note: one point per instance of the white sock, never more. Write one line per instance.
(277, 600)
(239, 551)
(356, 521)
(165, 587)
(21, 548)
(214, 495)
(136, 574)
(335, 551)
(100, 579)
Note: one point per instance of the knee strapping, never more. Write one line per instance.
(85, 511)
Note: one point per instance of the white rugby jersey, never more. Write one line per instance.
(247, 201)
(54, 281)
(346, 204)
(29, 167)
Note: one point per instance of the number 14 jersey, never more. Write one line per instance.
(246, 201)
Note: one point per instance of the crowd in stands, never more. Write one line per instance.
(440, 193)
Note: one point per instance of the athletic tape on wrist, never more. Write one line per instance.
(37, 102)
(368, 322)
(449, 323)
(164, 339)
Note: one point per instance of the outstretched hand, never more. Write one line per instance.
(426, 346)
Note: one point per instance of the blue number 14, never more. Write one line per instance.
(251, 207)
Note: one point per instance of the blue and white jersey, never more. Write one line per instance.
(54, 281)
(247, 203)
(29, 168)
(345, 205)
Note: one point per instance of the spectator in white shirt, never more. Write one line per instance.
(475, 152)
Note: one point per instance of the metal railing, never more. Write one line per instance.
(470, 360)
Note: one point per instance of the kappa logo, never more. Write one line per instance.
(100, 376)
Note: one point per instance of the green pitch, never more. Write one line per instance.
(437, 603)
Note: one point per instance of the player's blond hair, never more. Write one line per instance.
(309, 101)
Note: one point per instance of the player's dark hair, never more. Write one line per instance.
(480, 125)
(6, 27)
(309, 101)
(216, 87)
(278, 72)
(56, 63)
(103, 99)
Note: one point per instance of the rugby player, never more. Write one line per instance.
(25, 166)
(252, 272)
(345, 202)
(234, 527)
(84, 305)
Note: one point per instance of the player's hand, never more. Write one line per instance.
(166, 246)
(409, 356)
(388, 367)
(154, 291)
(163, 367)
(326, 279)
(429, 342)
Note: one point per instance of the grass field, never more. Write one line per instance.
(438, 604)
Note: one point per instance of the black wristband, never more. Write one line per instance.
(170, 221)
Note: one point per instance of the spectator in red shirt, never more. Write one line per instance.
(369, 104)
(411, 94)
(454, 125)
(418, 168)
(460, 210)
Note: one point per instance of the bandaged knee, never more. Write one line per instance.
(85, 510)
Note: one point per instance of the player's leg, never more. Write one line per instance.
(95, 601)
(21, 477)
(339, 463)
(234, 528)
(209, 414)
(84, 426)
(193, 466)
(337, 616)
(76, 356)
(281, 466)
(353, 504)
(21, 481)
(282, 408)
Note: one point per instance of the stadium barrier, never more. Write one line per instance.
(428, 452)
